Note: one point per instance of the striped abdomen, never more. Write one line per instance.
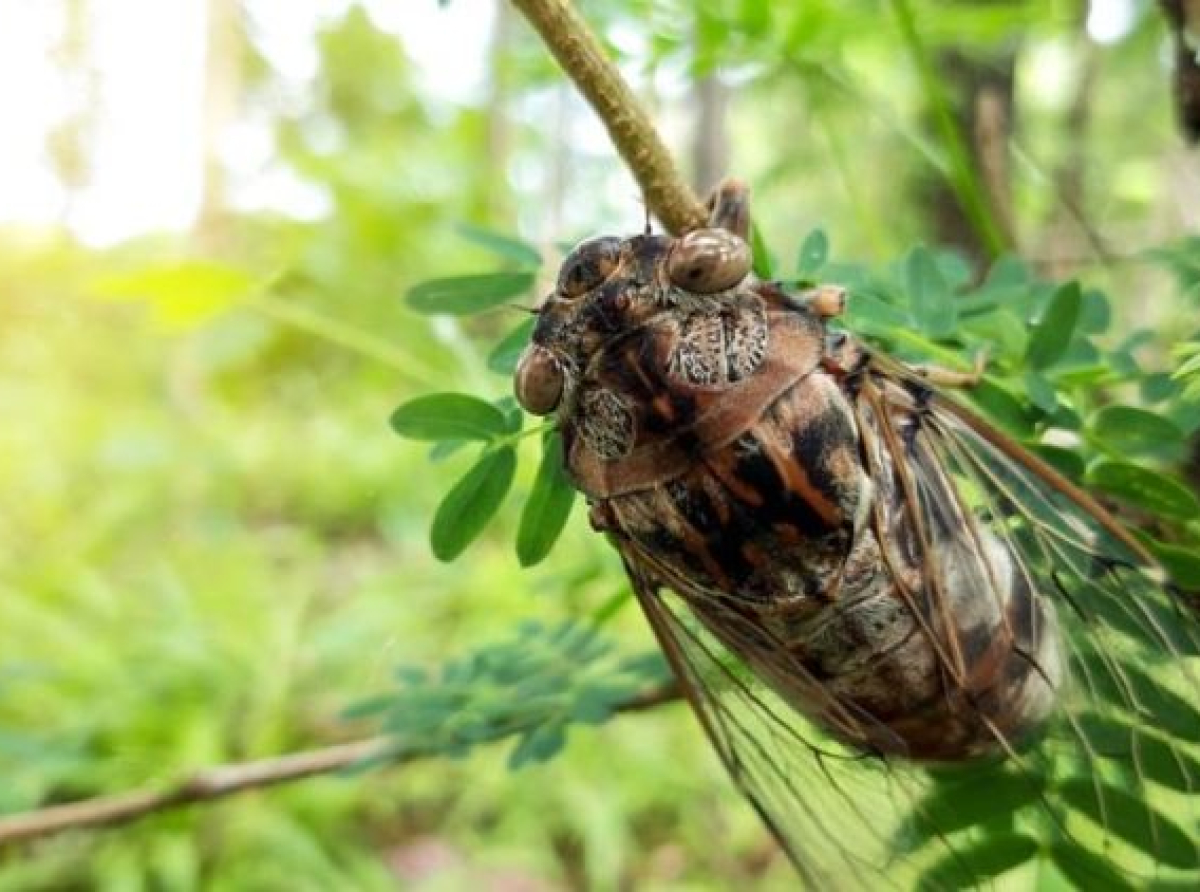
(770, 539)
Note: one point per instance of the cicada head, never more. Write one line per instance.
(610, 286)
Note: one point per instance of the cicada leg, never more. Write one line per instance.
(943, 377)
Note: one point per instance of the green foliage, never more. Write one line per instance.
(472, 502)
(532, 687)
(460, 295)
(549, 505)
(814, 251)
(449, 416)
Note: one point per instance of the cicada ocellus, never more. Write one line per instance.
(860, 583)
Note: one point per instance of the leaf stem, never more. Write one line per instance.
(509, 439)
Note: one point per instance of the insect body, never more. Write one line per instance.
(862, 567)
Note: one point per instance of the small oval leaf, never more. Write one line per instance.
(519, 252)
(929, 294)
(764, 263)
(1052, 333)
(813, 254)
(503, 358)
(462, 295)
(470, 504)
(448, 416)
(1006, 410)
(1182, 564)
(1137, 432)
(538, 745)
(1144, 488)
(548, 508)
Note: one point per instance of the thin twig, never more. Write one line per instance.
(221, 781)
(632, 132)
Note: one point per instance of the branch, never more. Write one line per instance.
(221, 781)
(633, 133)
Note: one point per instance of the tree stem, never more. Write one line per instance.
(221, 781)
(633, 133)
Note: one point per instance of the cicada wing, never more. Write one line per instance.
(1119, 757)
(1105, 789)
(842, 815)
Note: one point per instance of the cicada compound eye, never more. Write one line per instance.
(588, 265)
(539, 380)
(706, 261)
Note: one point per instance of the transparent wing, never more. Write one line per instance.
(1118, 762)
(1103, 796)
(832, 809)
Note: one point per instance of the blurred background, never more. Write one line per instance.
(211, 544)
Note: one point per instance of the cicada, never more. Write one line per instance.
(918, 649)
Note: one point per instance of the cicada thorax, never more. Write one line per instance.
(727, 461)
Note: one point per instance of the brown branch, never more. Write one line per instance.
(581, 56)
(226, 780)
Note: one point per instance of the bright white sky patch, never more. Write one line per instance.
(31, 102)
(1109, 20)
(149, 55)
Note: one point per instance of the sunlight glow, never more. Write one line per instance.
(145, 163)
(1110, 20)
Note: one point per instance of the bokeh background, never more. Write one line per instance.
(210, 542)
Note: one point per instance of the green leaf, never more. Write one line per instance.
(1120, 683)
(1132, 431)
(1094, 314)
(521, 253)
(448, 416)
(183, 294)
(538, 745)
(1146, 489)
(1130, 818)
(1052, 333)
(548, 508)
(764, 265)
(973, 862)
(1158, 387)
(1067, 462)
(463, 295)
(1183, 564)
(503, 358)
(958, 802)
(443, 449)
(929, 294)
(813, 254)
(470, 504)
(954, 267)
(1153, 757)
(871, 315)
(1002, 407)
(1087, 377)
(1041, 392)
(1001, 331)
(1085, 870)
